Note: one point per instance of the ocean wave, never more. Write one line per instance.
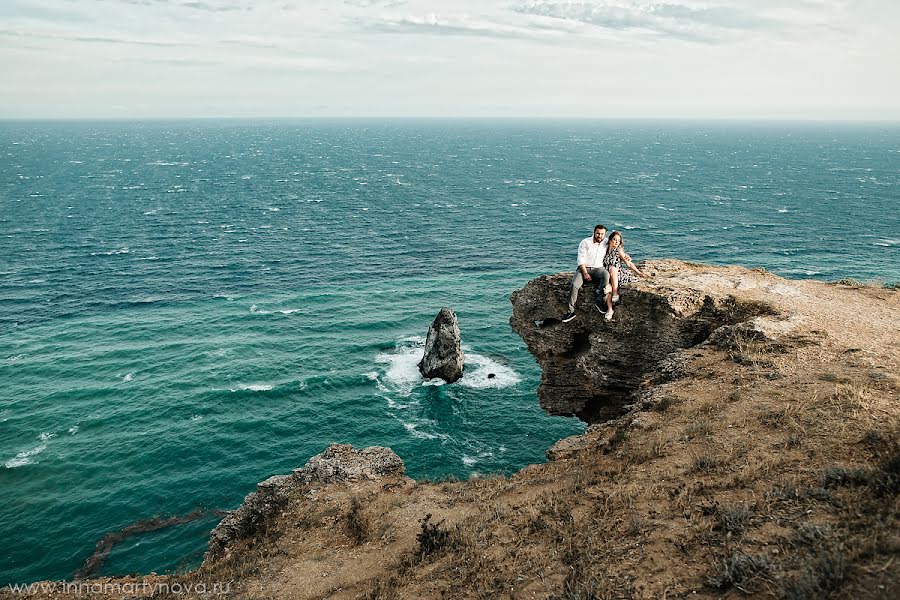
(256, 310)
(25, 457)
(469, 460)
(252, 387)
(123, 250)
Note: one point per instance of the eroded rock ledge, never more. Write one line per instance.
(592, 368)
(339, 463)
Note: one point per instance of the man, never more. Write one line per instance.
(590, 267)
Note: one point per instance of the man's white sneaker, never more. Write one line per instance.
(615, 297)
(608, 315)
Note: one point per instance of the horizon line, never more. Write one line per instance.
(889, 120)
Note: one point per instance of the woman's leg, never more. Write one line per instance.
(609, 302)
(614, 279)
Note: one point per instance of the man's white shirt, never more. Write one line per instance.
(590, 254)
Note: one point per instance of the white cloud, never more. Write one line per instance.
(441, 57)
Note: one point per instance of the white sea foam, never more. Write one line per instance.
(128, 377)
(252, 387)
(484, 366)
(46, 436)
(402, 374)
(25, 457)
(412, 427)
(274, 209)
(196, 417)
(123, 250)
(73, 429)
(469, 460)
(289, 311)
(887, 242)
(783, 210)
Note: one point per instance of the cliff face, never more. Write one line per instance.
(592, 367)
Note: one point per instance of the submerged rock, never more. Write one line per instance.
(443, 357)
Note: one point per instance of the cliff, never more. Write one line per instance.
(592, 368)
(744, 440)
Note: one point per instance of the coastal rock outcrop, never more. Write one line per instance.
(443, 356)
(337, 463)
(340, 462)
(592, 368)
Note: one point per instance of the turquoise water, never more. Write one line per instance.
(188, 307)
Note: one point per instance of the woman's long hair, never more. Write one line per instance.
(611, 236)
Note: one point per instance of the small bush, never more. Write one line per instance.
(698, 429)
(356, 525)
(790, 493)
(705, 464)
(617, 439)
(848, 281)
(663, 405)
(834, 477)
(819, 577)
(734, 520)
(432, 539)
(809, 534)
(739, 570)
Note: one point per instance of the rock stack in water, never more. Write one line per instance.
(443, 353)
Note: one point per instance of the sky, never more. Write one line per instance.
(742, 59)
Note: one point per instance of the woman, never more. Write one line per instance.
(618, 274)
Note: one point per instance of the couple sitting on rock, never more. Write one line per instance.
(601, 260)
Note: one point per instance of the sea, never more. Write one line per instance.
(190, 306)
